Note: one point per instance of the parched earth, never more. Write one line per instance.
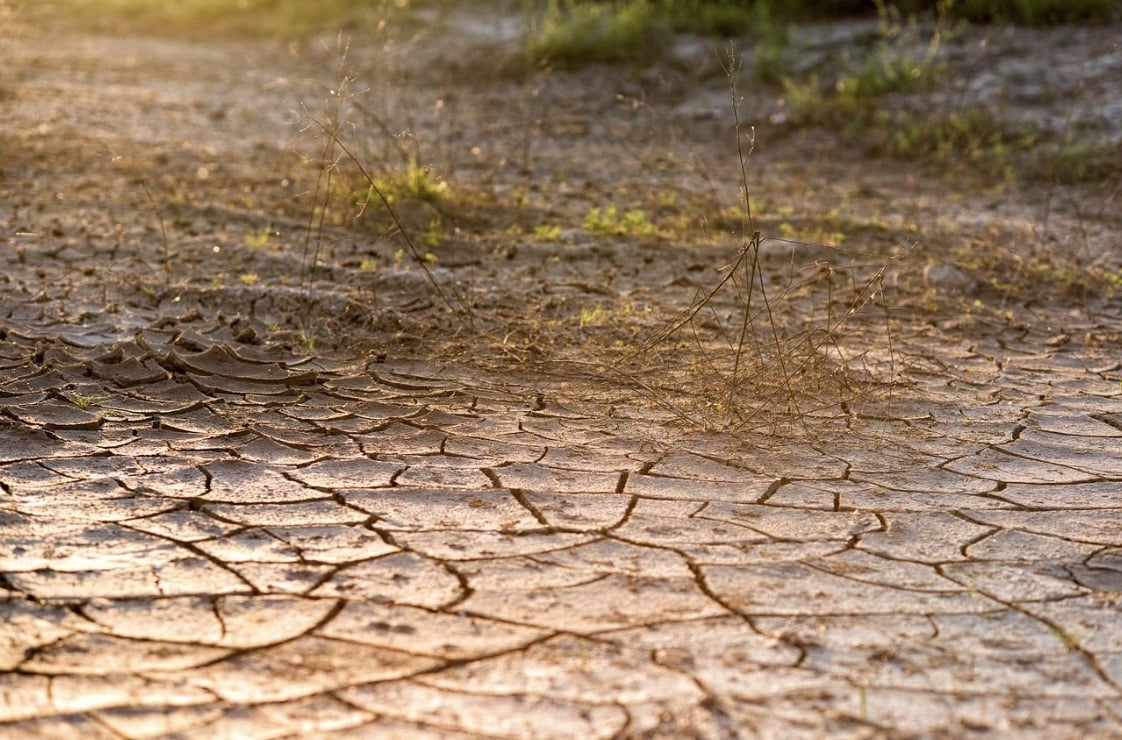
(264, 473)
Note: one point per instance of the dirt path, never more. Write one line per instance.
(267, 481)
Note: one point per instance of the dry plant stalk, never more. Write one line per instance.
(335, 149)
(731, 360)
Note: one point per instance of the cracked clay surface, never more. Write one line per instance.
(208, 532)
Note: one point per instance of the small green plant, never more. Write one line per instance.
(414, 183)
(608, 221)
(260, 240)
(547, 233)
(85, 400)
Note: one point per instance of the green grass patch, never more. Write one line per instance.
(571, 32)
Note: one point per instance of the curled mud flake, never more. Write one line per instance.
(129, 372)
(54, 414)
(219, 360)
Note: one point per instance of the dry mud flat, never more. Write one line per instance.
(219, 518)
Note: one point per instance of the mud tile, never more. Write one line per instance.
(604, 603)
(420, 475)
(402, 439)
(1091, 622)
(35, 543)
(54, 414)
(456, 545)
(144, 722)
(848, 646)
(404, 578)
(724, 653)
(335, 445)
(517, 715)
(796, 589)
(299, 668)
(571, 668)
(182, 525)
(661, 530)
(801, 463)
(184, 482)
(1109, 558)
(223, 443)
(885, 501)
(589, 459)
(332, 543)
(83, 693)
(241, 482)
(90, 468)
(266, 450)
(26, 627)
(317, 407)
(222, 361)
(439, 419)
(581, 511)
(175, 394)
(1099, 456)
(283, 578)
(304, 513)
(788, 524)
(169, 578)
(695, 467)
(532, 572)
(1015, 582)
(924, 537)
(86, 653)
(868, 568)
(1100, 495)
(766, 552)
(213, 385)
(996, 465)
(1013, 545)
(30, 477)
(683, 489)
(23, 697)
(1058, 421)
(823, 496)
(23, 399)
(249, 546)
(101, 500)
(536, 477)
(129, 372)
(200, 420)
(382, 411)
(58, 727)
(561, 431)
(1097, 527)
(929, 480)
(348, 425)
(419, 509)
(353, 473)
(316, 714)
(933, 670)
(493, 452)
(448, 636)
(191, 619)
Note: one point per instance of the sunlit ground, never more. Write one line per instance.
(284, 18)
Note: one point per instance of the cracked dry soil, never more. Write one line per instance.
(257, 485)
